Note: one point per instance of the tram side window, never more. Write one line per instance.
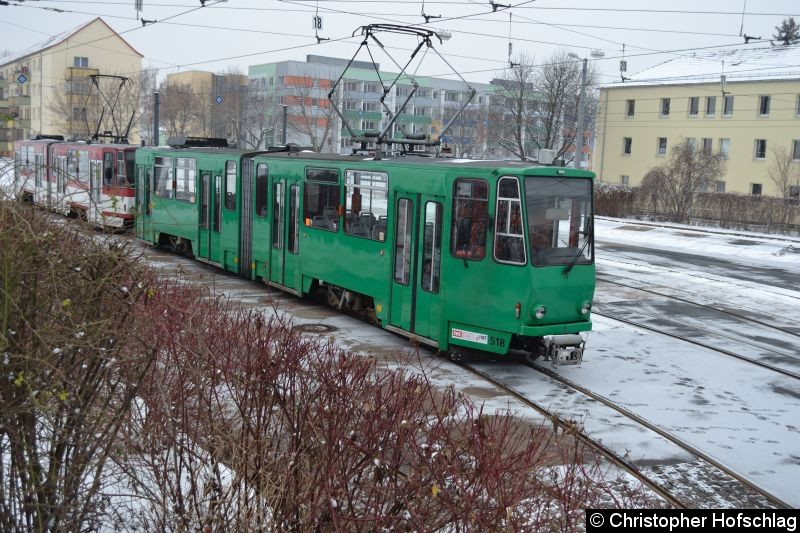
(509, 243)
(262, 186)
(432, 247)
(108, 169)
(402, 258)
(126, 160)
(163, 177)
(126, 178)
(230, 185)
(470, 218)
(294, 220)
(83, 166)
(185, 179)
(321, 199)
(72, 165)
(367, 201)
(39, 158)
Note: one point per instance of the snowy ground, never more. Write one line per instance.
(746, 417)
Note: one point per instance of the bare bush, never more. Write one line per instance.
(613, 200)
(70, 368)
(248, 424)
(687, 172)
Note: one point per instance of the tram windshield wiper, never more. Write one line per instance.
(574, 261)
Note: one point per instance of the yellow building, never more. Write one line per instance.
(744, 103)
(43, 89)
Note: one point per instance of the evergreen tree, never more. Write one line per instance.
(788, 32)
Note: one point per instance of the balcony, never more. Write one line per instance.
(19, 100)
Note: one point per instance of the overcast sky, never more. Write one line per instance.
(247, 32)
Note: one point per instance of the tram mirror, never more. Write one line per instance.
(555, 213)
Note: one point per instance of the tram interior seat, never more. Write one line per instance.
(380, 227)
(359, 229)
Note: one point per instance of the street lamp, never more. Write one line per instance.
(597, 54)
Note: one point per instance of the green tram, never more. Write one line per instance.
(463, 255)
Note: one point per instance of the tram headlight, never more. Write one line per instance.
(539, 311)
(586, 307)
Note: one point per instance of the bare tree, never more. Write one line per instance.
(311, 115)
(786, 176)
(516, 108)
(784, 171)
(687, 172)
(558, 86)
(181, 109)
(147, 88)
(245, 113)
(467, 134)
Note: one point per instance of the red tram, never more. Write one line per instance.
(90, 181)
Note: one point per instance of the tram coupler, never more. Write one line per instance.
(564, 349)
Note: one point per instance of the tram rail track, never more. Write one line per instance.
(583, 437)
(695, 274)
(663, 433)
(720, 309)
(768, 366)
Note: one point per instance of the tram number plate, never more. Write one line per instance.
(471, 336)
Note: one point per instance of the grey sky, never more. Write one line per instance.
(218, 35)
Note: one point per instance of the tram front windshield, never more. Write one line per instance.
(559, 220)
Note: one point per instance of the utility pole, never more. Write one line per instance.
(579, 132)
(581, 104)
(156, 104)
(285, 119)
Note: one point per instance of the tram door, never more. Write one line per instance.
(144, 184)
(93, 213)
(210, 216)
(285, 232)
(416, 304)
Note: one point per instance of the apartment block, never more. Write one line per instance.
(43, 89)
(743, 103)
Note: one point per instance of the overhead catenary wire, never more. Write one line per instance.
(228, 58)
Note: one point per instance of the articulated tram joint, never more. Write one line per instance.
(564, 349)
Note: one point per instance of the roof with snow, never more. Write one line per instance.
(56, 39)
(753, 63)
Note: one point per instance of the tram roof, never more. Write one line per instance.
(441, 162)
(450, 163)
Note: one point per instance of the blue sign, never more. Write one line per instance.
(219, 99)
(22, 79)
(360, 113)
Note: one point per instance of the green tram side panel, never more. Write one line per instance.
(179, 218)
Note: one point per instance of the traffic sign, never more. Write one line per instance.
(22, 79)
(219, 99)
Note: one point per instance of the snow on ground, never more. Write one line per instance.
(746, 417)
(757, 249)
